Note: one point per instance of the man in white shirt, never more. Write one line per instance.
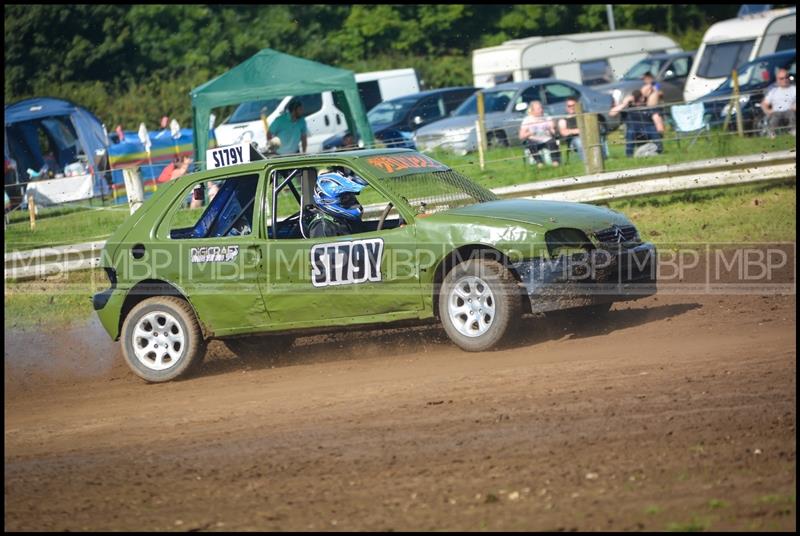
(780, 104)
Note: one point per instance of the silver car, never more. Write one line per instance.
(669, 70)
(505, 106)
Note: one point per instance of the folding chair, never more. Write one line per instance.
(689, 120)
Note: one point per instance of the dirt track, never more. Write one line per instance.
(679, 413)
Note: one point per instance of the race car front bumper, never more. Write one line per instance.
(582, 279)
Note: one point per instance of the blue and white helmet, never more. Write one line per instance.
(335, 194)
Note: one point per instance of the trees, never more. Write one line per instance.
(130, 63)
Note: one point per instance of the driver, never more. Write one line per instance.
(339, 211)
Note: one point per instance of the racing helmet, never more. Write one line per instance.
(335, 194)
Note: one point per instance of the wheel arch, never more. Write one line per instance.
(148, 288)
(461, 254)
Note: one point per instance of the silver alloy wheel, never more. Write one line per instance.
(471, 306)
(158, 340)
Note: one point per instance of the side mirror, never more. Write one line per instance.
(669, 74)
(417, 120)
(521, 106)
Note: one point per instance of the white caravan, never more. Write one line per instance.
(323, 117)
(729, 44)
(585, 58)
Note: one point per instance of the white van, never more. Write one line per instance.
(323, 117)
(729, 44)
(586, 58)
(378, 86)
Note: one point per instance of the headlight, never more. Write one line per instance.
(617, 95)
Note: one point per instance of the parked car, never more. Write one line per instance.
(728, 44)
(505, 107)
(432, 245)
(669, 70)
(394, 121)
(755, 78)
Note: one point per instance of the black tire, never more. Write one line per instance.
(256, 346)
(182, 339)
(496, 139)
(503, 294)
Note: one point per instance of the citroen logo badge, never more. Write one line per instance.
(618, 235)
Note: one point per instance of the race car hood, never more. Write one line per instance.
(548, 214)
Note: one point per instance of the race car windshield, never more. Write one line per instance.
(434, 191)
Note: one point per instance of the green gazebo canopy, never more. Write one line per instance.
(272, 74)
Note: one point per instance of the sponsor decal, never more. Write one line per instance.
(346, 263)
(215, 254)
(227, 156)
(393, 164)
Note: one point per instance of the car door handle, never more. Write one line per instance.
(327, 121)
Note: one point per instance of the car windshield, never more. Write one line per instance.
(650, 65)
(251, 111)
(389, 111)
(754, 74)
(493, 101)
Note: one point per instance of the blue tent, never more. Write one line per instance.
(70, 134)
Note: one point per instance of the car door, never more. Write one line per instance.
(427, 111)
(213, 252)
(555, 95)
(323, 119)
(512, 119)
(673, 78)
(351, 279)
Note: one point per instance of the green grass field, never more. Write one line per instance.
(741, 214)
(505, 166)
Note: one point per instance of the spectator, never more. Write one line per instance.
(181, 167)
(571, 134)
(537, 134)
(568, 129)
(348, 142)
(655, 94)
(291, 128)
(641, 124)
(780, 104)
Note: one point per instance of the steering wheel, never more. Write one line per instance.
(385, 213)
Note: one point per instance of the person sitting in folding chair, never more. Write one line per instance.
(537, 133)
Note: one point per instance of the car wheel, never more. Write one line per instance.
(162, 339)
(256, 346)
(496, 139)
(479, 302)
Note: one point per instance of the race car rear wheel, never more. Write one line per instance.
(257, 346)
(479, 302)
(162, 339)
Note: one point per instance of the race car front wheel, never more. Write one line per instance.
(479, 302)
(161, 339)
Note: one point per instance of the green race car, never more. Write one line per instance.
(224, 254)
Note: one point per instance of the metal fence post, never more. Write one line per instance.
(737, 104)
